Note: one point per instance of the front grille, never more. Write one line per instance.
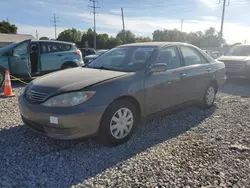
(234, 65)
(35, 97)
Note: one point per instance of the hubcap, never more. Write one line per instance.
(210, 95)
(121, 123)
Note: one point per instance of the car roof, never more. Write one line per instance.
(156, 44)
(54, 41)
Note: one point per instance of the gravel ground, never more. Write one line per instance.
(192, 148)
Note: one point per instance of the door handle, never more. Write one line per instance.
(182, 75)
(208, 69)
(23, 58)
(59, 55)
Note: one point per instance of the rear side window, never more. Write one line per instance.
(54, 47)
(64, 47)
(192, 56)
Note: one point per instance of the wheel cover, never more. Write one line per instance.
(210, 95)
(121, 123)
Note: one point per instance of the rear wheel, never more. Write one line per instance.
(2, 77)
(209, 96)
(118, 123)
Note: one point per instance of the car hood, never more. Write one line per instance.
(71, 79)
(234, 58)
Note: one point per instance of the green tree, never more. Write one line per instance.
(206, 39)
(169, 35)
(87, 39)
(127, 35)
(70, 35)
(44, 38)
(143, 39)
(113, 42)
(6, 27)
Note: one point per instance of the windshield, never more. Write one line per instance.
(100, 52)
(239, 51)
(126, 59)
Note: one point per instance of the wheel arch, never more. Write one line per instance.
(215, 83)
(69, 63)
(131, 99)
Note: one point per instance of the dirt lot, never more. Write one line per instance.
(192, 148)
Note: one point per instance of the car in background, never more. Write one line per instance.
(32, 58)
(215, 54)
(89, 58)
(237, 62)
(111, 95)
(87, 51)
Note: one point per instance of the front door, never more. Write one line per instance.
(19, 59)
(162, 88)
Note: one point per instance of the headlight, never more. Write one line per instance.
(69, 99)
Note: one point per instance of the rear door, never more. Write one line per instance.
(198, 72)
(162, 89)
(19, 60)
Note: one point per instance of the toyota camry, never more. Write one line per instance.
(109, 97)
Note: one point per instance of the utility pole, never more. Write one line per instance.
(123, 27)
(55, 21)
(181, 24)
(222, 21)
(36, 34)
(94, 12)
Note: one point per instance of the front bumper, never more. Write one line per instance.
(61, 123)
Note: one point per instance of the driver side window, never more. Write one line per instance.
(21, 49)
(170, 57)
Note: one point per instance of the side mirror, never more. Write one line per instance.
(158, 67)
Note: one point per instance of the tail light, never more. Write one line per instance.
(78, 52)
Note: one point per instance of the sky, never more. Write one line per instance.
(141, 17)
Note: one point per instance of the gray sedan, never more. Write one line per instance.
(112, 94)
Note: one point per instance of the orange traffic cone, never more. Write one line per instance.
(7, 86)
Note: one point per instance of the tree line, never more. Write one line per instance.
(203, 39)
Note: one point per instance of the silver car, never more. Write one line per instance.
(110, 96)
(237, 62)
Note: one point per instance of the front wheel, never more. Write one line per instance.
(118, 123)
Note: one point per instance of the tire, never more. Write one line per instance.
(108, 133)
(209, 96)
(2, 77)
